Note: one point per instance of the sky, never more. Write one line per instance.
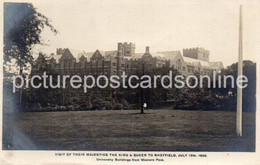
(162, 25)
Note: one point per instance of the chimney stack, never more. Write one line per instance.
(147, 49)
(119, 47)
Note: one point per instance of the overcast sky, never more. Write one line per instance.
(162, 25)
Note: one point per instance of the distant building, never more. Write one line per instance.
(194, 60)
(114, 62)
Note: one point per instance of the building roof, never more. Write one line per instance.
(78, 53)
(153, 54)
(56, 57)
(137, 55)
(171, 54)
(107, 53)
(216, 65)
(156, 54)
(196, 62)
(112, 53)
(40, 54)
(87, 55)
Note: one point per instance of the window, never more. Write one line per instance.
(183, 68)
(128, 52)
(178, 64)
(113, 64)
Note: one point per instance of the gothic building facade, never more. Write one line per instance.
(124, 59)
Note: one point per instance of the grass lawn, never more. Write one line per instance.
(156, 130)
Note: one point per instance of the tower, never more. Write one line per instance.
(119, 58)
(197, 53)
(128, 49)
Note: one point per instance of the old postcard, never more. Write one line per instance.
(129, 82)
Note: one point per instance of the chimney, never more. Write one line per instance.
(119, 47)
(147, 49)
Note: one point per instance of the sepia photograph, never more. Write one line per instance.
(129, 76)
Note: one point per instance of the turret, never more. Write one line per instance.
(128, 49)
(119, 57)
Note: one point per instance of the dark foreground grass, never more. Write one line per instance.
(156, 130)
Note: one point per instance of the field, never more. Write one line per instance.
(156, 130)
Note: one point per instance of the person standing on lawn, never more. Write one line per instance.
(145, 106)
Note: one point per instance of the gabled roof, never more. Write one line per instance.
(86, 55)
(77, 53)
(103, 53)
(107, 53)
(42, 55)
(56, 57)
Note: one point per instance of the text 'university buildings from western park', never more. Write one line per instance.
(114, 62)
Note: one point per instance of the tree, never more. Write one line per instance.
(141, 71)
(21, 32)
(153, 94)
(249, 93)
